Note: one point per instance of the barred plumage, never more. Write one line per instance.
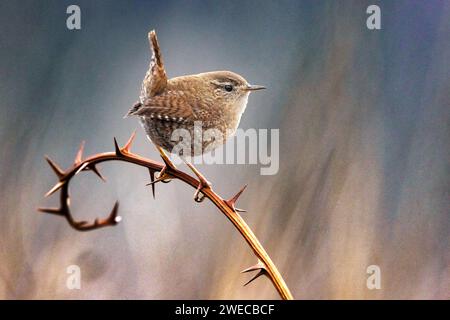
(212, 100)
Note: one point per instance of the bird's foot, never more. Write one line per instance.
(163, 176)
(199, 196)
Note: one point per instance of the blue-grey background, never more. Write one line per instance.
(364, 140)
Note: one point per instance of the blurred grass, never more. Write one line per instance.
(364, 127)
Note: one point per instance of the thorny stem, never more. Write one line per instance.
(265, 265)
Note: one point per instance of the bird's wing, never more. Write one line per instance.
(166, 107)
(156, 79)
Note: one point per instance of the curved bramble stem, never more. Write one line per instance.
(265, 265)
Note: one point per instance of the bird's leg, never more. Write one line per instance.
(203, 183)
(163, 175)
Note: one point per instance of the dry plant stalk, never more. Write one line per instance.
(265, 266)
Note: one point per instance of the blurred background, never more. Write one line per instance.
(364, 149)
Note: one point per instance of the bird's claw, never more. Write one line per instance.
(199, 196)
(163, 176)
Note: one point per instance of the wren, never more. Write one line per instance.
(215, 100)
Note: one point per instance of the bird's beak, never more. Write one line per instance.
(254, 87)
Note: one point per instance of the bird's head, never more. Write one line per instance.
(229, 87)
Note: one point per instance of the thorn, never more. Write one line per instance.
(94, 169)
(155, 181)
(116, 147)
(79, 156)
(55, 167)
(55, 188)
(82, 167)
(126, 148)
(259, 266)
(152, 179)
(236, 197)
(259, 274)
(51, 210)
(231, 202)
(113, 217)
(240, 210)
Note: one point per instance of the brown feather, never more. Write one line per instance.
(156, 79)
(168, 107)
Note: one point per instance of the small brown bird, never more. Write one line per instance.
(212, 100)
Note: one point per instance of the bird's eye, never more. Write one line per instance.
(228, 87)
